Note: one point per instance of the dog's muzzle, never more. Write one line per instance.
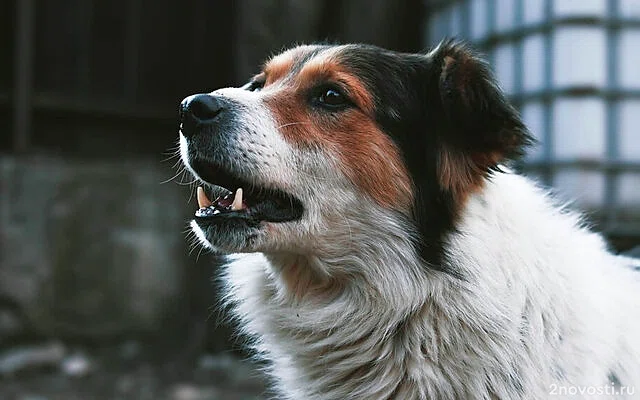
(210, 126)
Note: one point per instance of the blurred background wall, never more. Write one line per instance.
(92, 242)
(572, 67)
(93, 250)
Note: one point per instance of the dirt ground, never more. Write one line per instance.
(111, 374)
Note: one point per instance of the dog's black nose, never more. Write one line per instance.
(197, 109)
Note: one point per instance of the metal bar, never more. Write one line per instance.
(518, 66)
(550, 24)
(612, 94)
(438, 5)
(23, 72)
(455, 19)
(465, 19)
(491, 24)
(611, 177)
(547, 102)
(584, 164)
(622, 230)
(447, 23)
(432, 28)
(518, 49)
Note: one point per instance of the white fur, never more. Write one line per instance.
(543, 308)
(343, 308)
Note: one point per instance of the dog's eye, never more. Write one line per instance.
(331, 98)
(254, 86)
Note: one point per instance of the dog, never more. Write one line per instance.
(381, 246)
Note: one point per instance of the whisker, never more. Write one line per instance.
(293, 123)
(193, 186)
(190, 183)
(177, 164)
(172, 178)
(200, 253)
(170, 157)
(172, 150)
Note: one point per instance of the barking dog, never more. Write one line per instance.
(394, 255)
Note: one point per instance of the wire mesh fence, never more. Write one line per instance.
(570, 67)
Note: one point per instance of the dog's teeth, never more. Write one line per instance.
(237, 200)
(203, 200)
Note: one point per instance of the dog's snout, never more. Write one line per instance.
(197, 109)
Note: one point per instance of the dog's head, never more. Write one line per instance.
(328, 142)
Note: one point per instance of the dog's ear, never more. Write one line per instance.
(478, 129)
(468, 129)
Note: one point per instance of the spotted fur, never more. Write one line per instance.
(422, 266)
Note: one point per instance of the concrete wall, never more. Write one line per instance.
(92, 248)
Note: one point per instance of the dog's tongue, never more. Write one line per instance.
(233, 203)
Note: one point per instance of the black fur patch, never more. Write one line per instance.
(446, 100)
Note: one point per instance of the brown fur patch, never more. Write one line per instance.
(368, 157)
(458, 174)
(278, 67)
(461, 173)
(328, 69)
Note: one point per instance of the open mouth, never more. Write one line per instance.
(241, 200)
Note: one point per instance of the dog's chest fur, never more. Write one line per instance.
(540, 302)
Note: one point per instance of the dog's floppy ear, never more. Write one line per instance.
(478, 128)
(469, 130)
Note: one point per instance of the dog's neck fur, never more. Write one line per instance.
(347, 319)
(389, 327)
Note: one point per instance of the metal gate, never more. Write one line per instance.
(572, 68)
